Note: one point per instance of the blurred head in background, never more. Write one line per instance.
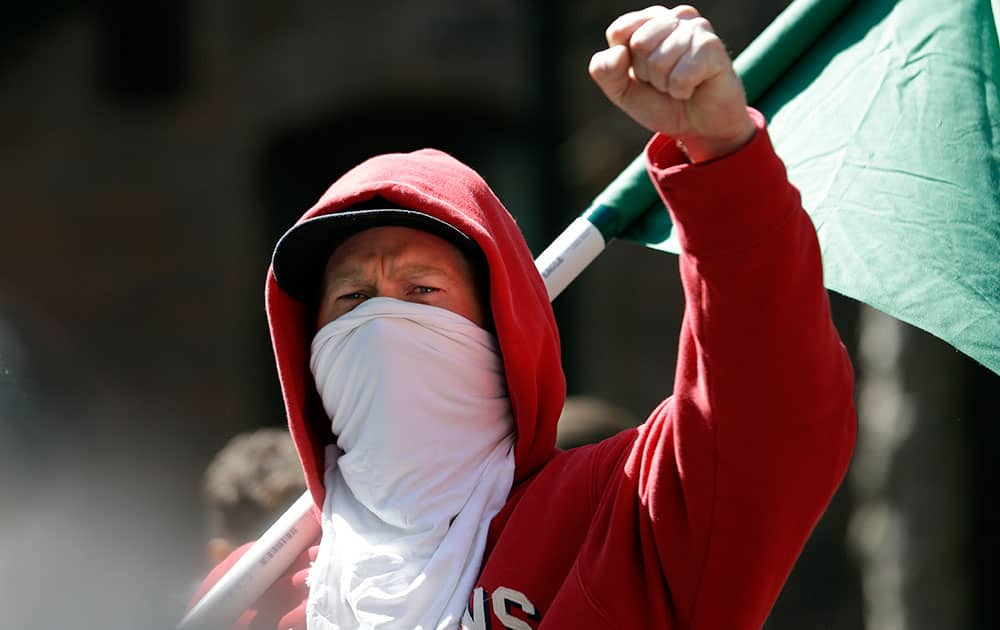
(247, 486)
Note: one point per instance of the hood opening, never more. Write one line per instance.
(434, 183)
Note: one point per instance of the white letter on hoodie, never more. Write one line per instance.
(500, 598)
(477, 620)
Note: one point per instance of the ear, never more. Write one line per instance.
(219, 549)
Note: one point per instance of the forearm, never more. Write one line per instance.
(763, 390)
(756, 307)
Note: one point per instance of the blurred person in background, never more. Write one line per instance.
(589, 419)
(420, 366)
(248, 484)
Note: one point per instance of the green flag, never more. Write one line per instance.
(890, 126)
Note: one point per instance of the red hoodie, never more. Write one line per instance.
(692, 520)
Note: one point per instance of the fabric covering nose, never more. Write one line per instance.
(423, 461)
(408, 384)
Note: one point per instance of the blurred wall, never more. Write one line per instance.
(151, 156)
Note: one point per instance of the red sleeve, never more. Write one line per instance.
(737, 467)
(283, 606)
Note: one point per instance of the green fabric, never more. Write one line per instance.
(890, 127)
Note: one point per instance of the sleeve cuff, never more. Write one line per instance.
(726, 202)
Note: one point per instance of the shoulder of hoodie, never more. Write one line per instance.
(585, 470)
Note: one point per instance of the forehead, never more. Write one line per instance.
(401, 244)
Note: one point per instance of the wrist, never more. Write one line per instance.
(705, 148)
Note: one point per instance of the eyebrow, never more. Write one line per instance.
(355, 274)
(417, 271)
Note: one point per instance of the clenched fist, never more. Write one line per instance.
(668, 70)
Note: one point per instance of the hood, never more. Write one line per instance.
(435, 183)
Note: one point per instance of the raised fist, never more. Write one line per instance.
(668, 70)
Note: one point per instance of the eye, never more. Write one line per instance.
(425, 290)
(353, 296)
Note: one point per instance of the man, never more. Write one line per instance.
(419, 361)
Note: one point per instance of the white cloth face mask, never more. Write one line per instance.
(423, 461)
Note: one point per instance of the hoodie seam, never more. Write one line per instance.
(596, 499)
(715, 490)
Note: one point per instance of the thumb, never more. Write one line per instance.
(609, 69)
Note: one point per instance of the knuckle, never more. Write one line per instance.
(707, 46)
(617, 27)
(680, 86)
(660, 81)
(647, 39)
(641, 44)
(700, 23)
(593, 68)
(640, 72)
(660, 64)
(685, 77)
(686, 11)
(682, 78)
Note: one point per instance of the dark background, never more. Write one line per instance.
(152, 153)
